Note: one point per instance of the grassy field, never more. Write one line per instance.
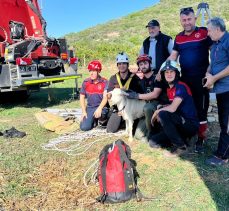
(35, 179)
(127, 33)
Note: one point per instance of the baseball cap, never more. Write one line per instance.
(153, 23)
(186, 10)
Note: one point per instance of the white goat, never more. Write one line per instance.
(130, 109)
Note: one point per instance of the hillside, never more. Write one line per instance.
(127, 33)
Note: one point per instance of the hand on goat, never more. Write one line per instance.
(132, 95)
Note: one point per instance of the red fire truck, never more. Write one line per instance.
(29, 59)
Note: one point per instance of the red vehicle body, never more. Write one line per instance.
(29, 59)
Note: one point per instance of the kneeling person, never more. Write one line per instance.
(123, 79)
(93, 88)
(152, 93)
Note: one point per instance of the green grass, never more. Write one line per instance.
(104, 41)
(32, 178)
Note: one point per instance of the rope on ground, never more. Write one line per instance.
(78, 143)
(80, 140)
(93, 174)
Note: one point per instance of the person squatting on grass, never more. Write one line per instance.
(192, 45)
(152, 90)
(123, 79)
(178, 120)
(218, 77)
(93, 89)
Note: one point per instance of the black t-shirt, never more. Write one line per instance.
(135, 84)
(148, 85)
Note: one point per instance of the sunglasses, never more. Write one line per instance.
(186, 10)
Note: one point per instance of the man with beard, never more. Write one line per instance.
(152, 90)
(158, 45)
(192, 46)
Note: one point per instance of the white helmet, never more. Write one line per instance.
(170, 65)
(122, 57)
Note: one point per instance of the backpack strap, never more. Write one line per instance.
(125, 159)
(103, 197)
(139, 195)
(127, 84)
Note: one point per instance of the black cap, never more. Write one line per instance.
(153, 23)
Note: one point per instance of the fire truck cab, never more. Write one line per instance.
(29, 59)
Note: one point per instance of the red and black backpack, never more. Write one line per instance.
(117, 174)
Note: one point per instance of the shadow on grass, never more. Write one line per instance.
(216, 179)
(46, 97)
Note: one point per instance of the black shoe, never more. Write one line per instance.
(13, 133)
(199, 148)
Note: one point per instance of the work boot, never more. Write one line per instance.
(13, 133)
(199, 148)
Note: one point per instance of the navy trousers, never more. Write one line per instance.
(88, 123)
(175, 129)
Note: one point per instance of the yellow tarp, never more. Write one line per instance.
(56, 123)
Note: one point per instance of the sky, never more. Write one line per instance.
(66, 16)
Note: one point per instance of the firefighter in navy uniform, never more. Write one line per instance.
(178, 119)
(123, 79)
(192, 46)
(94, 90)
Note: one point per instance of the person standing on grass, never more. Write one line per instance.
(158, 45)
(192, 46)
(218, 77)
(178, 119)
(93, 89)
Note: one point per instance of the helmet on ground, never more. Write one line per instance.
(94, 65)
(144, 57)
(122, 58)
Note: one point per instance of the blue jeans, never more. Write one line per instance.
(88, 123)
(223, 112)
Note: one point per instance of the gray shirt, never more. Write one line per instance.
(219, 61)
(152, 50)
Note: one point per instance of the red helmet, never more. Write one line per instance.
(144, 57)
(94, 65)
